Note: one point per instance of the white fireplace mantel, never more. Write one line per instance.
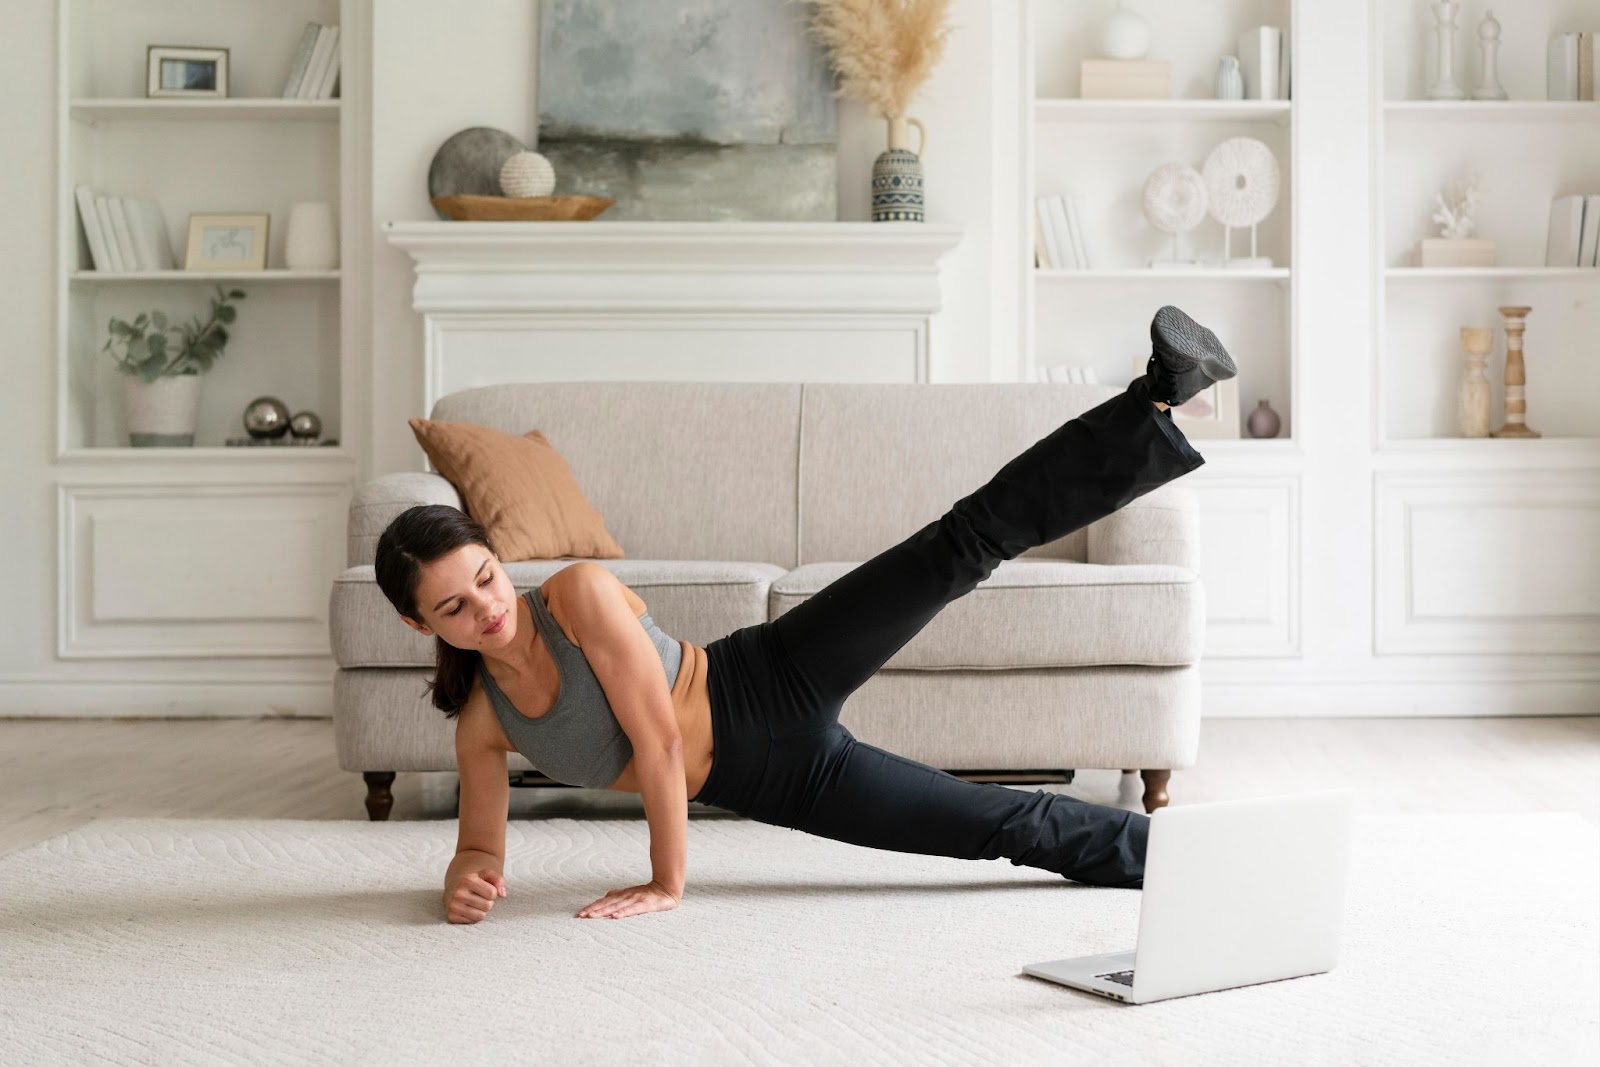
(756, 301)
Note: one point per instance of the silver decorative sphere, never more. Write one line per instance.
(266, 416)
(306, 424)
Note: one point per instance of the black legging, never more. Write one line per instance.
(776, 688)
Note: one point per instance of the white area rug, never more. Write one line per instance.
(1468, 939)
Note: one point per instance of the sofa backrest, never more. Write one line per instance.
(785, 473)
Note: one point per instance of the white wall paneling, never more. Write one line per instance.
(1502, 564)
(1249, 562)
(196, 571)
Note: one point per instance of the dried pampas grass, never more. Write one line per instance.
(883, 50)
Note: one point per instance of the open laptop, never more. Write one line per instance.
(1236, 893)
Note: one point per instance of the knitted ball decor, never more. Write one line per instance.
(527, 174)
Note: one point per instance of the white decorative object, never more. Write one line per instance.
(1489, 87)
(1455, 247)
(1126, 35)
(312, 240)
(527, 174)
(1444, 86)
(1241, 177)
(1457, 201)
(1230, 80)
(1174, 202)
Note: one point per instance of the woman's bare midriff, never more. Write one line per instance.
(691, 703)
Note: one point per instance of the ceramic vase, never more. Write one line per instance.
(1263, 421)
(312, 241)
(1230, 81)
(161, 413)
(897, 175)
(1472, 395)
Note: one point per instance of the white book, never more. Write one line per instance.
(1058, 222)
(1561, 67)
(1075, 213)
(119, 226)
(1284, 88)
(319, 64)
(1090, 375)
(149, 229)
(1050, 259)
(1566, 232)
(144, 253)
(302, 60)
(1058, 372)
(166, 255)
(1591, 230)
(102, 210)
(91, 228)
(1259, 51)
(330, 74)
(1041, 246)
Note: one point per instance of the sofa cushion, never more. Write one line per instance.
(1045, 613)
(693, 600)
(519, 488)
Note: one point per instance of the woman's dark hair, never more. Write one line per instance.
(416, 537)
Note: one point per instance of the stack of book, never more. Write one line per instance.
(1574, 231)
(1063, 372)
(1058, 233)
(1569, 74)
(315, 73)
(125, 233)
(1264, 63)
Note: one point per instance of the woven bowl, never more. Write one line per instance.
(468, 208)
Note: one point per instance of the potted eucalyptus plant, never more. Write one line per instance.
(162, 363)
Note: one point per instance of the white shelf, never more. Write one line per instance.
(237, 109)
(1491, 111)
(102, 277)
(1204, 274)
(202, 453)
(1077, 110)
(1423, 274)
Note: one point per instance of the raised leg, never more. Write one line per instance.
(379, 800)
(1082, 471)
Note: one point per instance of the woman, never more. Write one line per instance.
(752, 723)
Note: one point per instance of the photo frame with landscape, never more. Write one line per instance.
(226, 241)
(186, 71)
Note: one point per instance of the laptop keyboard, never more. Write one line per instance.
(1120, 977)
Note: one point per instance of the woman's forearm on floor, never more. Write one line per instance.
(666, 809)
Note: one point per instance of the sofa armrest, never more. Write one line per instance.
(1162, 526)
(376, 504)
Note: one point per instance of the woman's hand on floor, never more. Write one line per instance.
(635, 900)
(474, 896)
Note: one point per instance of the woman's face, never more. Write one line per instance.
(467, 600)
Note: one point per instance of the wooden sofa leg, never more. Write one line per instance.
(1155, 789)
(379, 800)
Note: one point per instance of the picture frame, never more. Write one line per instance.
(231, 242)
(186, 71)
(1211, 414)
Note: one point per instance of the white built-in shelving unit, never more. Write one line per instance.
(252, 151)
(208, 565)
(1526, 150)
(1105, 150)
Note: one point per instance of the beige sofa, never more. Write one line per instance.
(735, 501)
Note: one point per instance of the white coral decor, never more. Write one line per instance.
(1457, 202)
(527, 174)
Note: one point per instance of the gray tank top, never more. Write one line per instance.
(579, 741)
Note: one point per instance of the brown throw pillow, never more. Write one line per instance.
(519, 488)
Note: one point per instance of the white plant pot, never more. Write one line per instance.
(162, 412)
(312, 242)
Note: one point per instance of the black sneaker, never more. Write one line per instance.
(1186, 358)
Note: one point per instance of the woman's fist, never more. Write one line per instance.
(474, 895)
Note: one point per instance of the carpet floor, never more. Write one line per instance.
(1468, 939)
